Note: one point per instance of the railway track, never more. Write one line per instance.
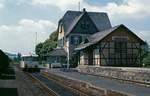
(53, 88)
(44, 88)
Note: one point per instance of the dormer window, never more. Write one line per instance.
(76, 40)
(85, 25)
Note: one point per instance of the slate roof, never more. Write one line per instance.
(57, 52)
(70, 19)
(74, 22)
(97, 37)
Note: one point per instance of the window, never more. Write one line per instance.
(61, 42)
(96, 57)
(84, 25)
(60, 28)
(56, 59)
(120, 45)
(34, 58)
(76, 40)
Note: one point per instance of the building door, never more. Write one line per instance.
(90, 57)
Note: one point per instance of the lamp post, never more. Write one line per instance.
(68, 60)
(68, 56)
(35, 43)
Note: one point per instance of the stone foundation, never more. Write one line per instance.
(84, 87)
(139, 75)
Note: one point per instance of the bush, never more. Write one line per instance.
(146, 61)
(4, 62)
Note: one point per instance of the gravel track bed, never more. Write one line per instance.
(26, 87)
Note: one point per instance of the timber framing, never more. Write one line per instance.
(109, 55)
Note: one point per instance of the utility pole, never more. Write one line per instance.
(79, 6)
(68, 59)
(35, 41)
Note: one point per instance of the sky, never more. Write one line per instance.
(20, 20)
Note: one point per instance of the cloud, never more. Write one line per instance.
(32, 26)
(1, 4)
(21, 37)
(22, 34)
(129, 8)
(62, 4)
(126, 12)
(144, 35)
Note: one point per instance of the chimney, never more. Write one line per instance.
(84, 10)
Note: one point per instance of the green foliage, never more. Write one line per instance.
(48, 45)
(4, 62)
(146, 60)
(18, 58)
(54, 36)
(146, 55)
(38, 49)
(145, 51)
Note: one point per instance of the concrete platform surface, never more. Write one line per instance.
(106, 83)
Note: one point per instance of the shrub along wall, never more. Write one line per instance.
(4, 62)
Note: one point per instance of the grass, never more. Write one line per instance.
(8, 92)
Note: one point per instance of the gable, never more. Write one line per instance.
(106, 35)
(84, 25)
(68, 19)
(101, 20)
(71, 18)
(123, 31)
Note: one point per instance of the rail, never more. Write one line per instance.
(44, 87)
(54, 88)
(78, 92)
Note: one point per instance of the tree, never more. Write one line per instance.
(48, 45)
(4, 61)
(145, 50)
(145, 55)
(54, 36)
(19, 56)
(146, 61)
(38, 49)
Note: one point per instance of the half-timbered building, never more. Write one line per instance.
(89, 39)
(116, 46)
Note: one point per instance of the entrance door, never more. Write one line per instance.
(90, 57)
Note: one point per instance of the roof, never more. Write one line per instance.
(97, 37)
(100, 35)
(57, 52)
(29, 55)
(70, 19)
(74, 22)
